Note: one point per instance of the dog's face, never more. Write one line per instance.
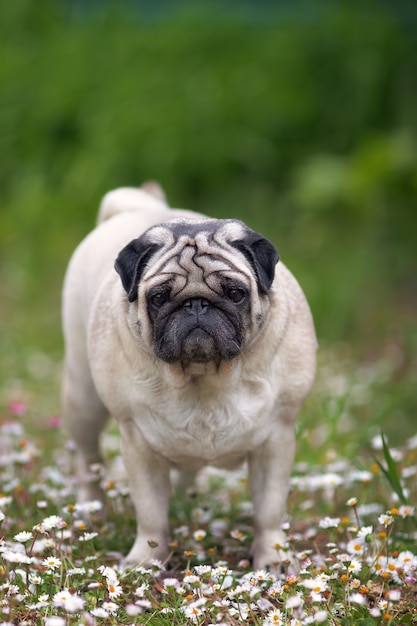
(200, 287)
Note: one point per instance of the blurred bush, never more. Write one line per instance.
(299, 118)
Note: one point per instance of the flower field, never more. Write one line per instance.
(300, 119)
(351, 532)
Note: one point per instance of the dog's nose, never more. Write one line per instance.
(196, 306)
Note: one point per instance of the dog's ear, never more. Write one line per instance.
(262, 255)
(131, 263)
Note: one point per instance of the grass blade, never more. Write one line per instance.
(391, 471)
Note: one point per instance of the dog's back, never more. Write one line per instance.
(149, 196)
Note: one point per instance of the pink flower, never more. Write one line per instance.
(17, 408)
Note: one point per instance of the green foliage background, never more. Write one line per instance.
(299, 118)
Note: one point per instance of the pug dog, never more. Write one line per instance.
(200, 344)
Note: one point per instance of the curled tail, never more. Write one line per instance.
(130, 199)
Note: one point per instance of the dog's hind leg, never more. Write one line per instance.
(84, 417)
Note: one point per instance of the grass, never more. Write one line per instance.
(351, 528)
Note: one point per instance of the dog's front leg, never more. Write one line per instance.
(149, 479)
(269, 473)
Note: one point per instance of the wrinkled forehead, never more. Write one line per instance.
(196, 251)
(170, 233)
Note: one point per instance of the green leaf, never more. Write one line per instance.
(391, 472)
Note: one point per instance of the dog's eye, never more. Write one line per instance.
(158, 299)
(236, 294)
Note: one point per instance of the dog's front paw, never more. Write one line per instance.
(271, 552)
(146, 549)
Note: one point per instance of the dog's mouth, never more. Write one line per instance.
(199, 347)
(208, 334)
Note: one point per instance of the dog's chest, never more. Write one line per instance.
(211, 427)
